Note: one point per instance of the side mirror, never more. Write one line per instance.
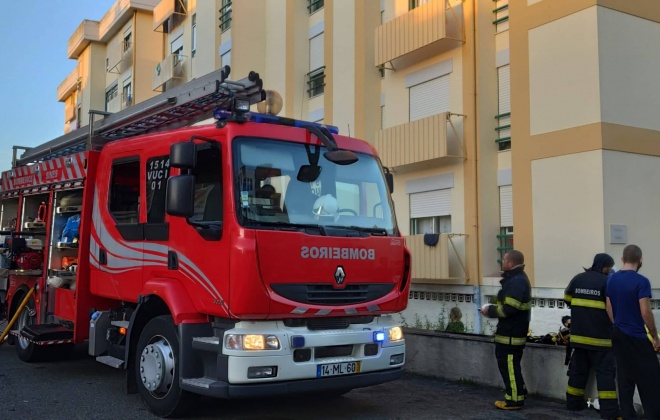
(183, 155)
(180, 196)
(390, 181)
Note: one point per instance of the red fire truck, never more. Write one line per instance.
(253, 256)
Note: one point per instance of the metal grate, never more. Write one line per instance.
(326, 294)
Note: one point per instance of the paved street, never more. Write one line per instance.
(84, 389)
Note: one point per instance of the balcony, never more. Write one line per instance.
(168, 14)
(121, 13)
(87, 32)
(426, 31)
(168, 69)
(439, 264)
(421, 143)
(68, 86)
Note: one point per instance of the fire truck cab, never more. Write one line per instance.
(253, 256)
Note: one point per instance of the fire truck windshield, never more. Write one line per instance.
(292, 186)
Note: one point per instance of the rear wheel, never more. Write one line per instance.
(27, 351)
(157, 369)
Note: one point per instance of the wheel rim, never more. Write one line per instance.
(24, 319)
(157, 366)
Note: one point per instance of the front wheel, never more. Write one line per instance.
(157, 369)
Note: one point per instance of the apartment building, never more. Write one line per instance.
(507, 122)
(115, 57)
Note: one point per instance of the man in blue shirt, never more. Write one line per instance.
(629, 308)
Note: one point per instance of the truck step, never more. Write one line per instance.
(199, 382)
(111, 361)
(121, 324)
(46, 334)
(211, 344)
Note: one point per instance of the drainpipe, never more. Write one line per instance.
(477, 288)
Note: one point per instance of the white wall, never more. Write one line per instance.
(564, 88)
(567, 205)
(629, 68)
(631, 183)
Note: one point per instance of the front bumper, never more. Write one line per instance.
(220, 389)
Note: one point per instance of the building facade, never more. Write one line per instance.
(526, 123)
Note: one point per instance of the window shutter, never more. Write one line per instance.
(225, 59)
(430, 203)
(429, 98)
(316, 52)
(506, 206)
(504, 88)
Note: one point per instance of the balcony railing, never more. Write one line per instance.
(68, 86)
(418, 142)
(442, 263)
(168, 14)
(168, 69)
(428, 30)
(86, 32)
(316, 82)
(314, 5)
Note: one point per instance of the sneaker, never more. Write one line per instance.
(503, 405)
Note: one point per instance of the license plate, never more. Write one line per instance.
(335, 369)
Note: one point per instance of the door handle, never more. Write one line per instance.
(103, 257)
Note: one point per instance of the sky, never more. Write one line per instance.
(35, 62)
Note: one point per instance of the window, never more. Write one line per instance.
(158, 170)
(504, 108)
(225, 59)
(110, 95)
(225, 15)
(416, 3)
(316, 75)
(79, 118)
(208, 184)
(128, 41)
(501, 12)
(127, 94)
(429, 98)
(430, 212)
(177, 45)
(125, 191)
(314, 5)
(506, 206)
(194, 35)
(506, 241)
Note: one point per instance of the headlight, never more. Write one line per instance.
(251, 342)
(396, 334)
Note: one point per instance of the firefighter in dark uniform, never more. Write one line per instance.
(591, 332)
(513, 311)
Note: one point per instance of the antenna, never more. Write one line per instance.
(349, 129)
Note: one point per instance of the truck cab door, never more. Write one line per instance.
(116, 250)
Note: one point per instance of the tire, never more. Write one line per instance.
(157, 369)
(27, 351)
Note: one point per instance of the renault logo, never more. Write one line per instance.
(340, 275)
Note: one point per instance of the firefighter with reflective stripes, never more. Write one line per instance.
(591, 332)
(513, 311)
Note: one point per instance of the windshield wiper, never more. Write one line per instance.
(290, 226)
(376, 231)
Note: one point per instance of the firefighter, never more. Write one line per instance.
(591, 331)
(513, 309)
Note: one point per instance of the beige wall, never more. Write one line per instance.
(147, 48)
(207, 57)
(568, 215)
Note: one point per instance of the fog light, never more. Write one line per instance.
(396, 359)
(379, 336)
(297, 341)
(262, 372)
(371, 349)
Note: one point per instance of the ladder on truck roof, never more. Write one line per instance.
(179, 107)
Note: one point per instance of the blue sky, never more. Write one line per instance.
(36, 33)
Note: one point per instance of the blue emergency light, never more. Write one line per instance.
(223, 114)
(379, 336)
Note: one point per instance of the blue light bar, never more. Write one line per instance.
(223, 114)
(379, 336)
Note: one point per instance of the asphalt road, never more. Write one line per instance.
(81, 388)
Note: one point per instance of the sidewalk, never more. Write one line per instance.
(467, 401)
